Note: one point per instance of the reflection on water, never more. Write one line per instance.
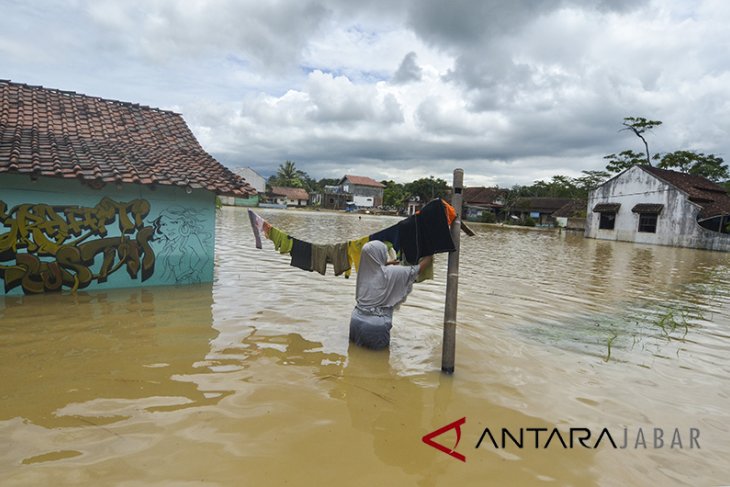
(252, 381)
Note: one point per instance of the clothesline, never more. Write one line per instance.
(412, 238)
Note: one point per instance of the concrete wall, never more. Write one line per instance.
(677, 223)
(58, 234)
(367, 192)
(253, 178)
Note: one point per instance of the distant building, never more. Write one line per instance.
(480, 201)
(98, 193)
(539, 209)
(288, 196)
(655, 206)
(414, 205)
(571, 216)
(333, 198)
(365, 192)
(255, 180)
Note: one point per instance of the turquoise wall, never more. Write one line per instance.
(59, 234)
(252, 201)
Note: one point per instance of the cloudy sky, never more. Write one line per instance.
(510, 91)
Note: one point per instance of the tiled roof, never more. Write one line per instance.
(482, 196)
(47, 132)
(712, 197)
(544, 204)
(290, 193)
(362, 181)
(573, 209)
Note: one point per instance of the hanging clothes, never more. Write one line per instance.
(282, 241)
(335, 254)
(301, 254)
(426, 233)
(390, 234)
(354, 248)
(257, 226)
(415, 237)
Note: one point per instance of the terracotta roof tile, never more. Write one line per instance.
(64, 134)
(483, 196)
(362, 181)
(290, 193)
(712, 197)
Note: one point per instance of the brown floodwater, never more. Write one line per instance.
(251, 380)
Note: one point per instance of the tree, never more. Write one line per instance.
(288, 176)
(327, 182)
(591, 180)
(623, 160)
(708, 166)
(428, 188)
(394, 194)
(639, 125)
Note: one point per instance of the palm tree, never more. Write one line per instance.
(288, 175)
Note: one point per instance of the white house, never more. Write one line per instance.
(649, 205)
(288, 196)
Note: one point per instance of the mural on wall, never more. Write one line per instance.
(47, 247)
(183, 256)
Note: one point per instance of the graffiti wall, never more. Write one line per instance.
(53, 240)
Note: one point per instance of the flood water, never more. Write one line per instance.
(251, 380)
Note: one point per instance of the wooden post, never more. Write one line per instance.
(452, 279)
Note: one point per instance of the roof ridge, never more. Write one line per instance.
(82, 95)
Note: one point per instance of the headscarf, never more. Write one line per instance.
(381, 285)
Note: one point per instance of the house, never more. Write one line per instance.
(98, 193)
(539, 209)
(288, 196)
(414, 205)
(365, 192)
(479, 202)
(257, 181)
(572, 215)
(656, 206)
(333, 198)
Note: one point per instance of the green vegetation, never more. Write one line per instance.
(709, 166)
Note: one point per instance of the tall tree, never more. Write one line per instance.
(428, 188)
(288, 176)
(591, 180)
(394, 194)
(623, 160)
(639, 125)
(709, 166)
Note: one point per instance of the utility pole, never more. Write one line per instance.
(452, 279)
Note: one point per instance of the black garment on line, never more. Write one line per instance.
(390, 234)
(426, 233)
(301, 254)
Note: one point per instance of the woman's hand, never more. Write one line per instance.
(425, 262)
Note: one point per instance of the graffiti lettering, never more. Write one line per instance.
(40, 230)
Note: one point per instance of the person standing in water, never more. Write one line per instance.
(381, 287)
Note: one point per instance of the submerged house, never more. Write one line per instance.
(540, 209)
(656, 206)
(364, 191)
(281, 195)
(483, 204)
(98, 193)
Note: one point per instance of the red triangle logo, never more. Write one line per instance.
(428, 439)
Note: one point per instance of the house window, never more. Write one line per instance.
(608, 220)
(647, 222)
